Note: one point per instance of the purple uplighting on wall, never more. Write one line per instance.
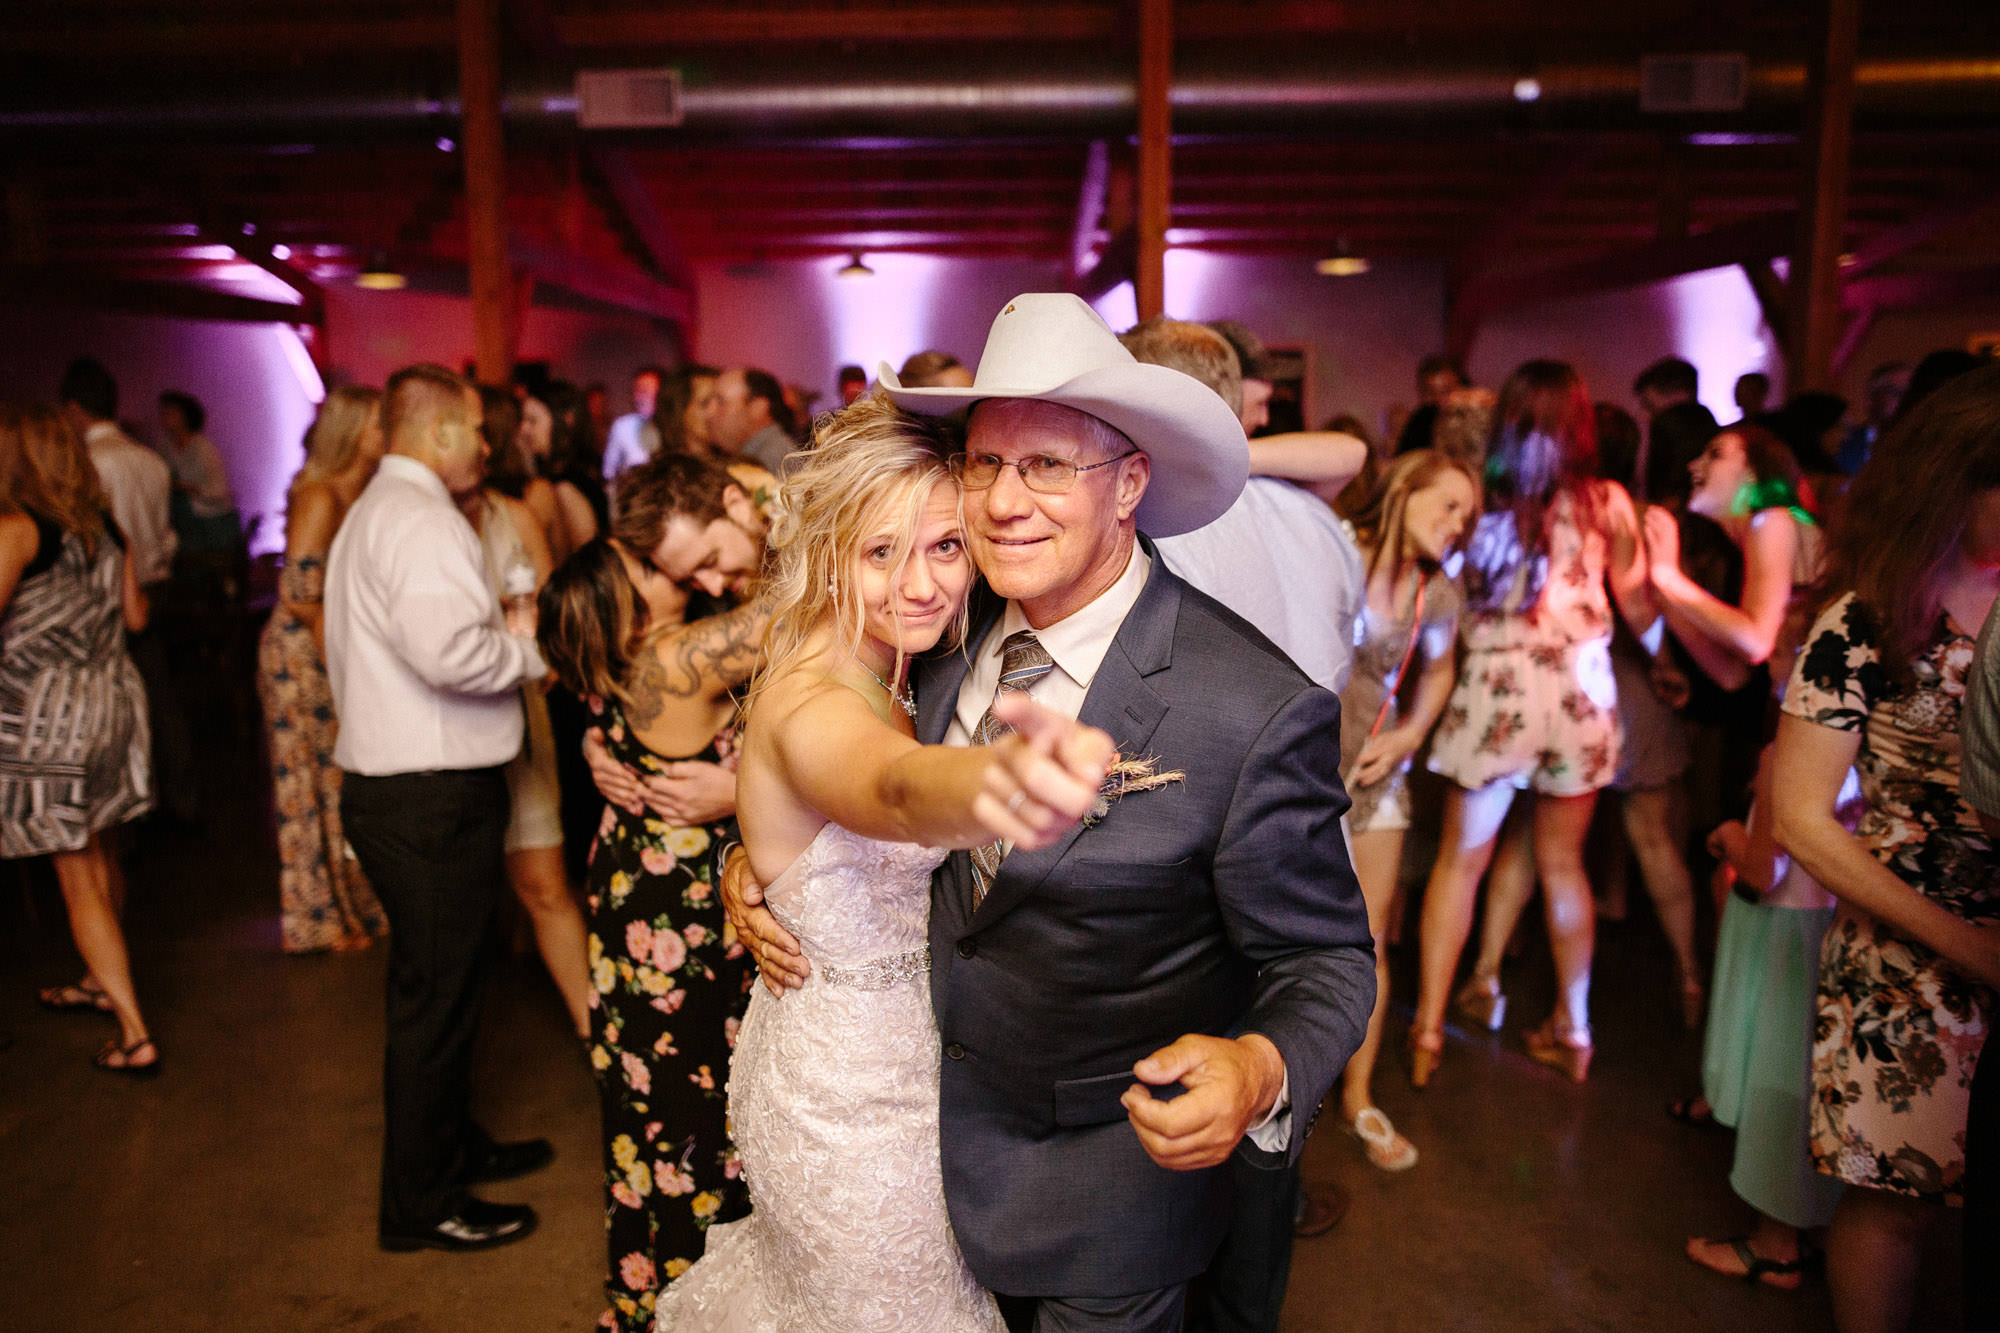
(885, 317)
(1719, 326)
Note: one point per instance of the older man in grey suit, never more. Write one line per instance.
(1182, 978)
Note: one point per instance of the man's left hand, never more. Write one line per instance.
(691, 792)
(1231, 1085)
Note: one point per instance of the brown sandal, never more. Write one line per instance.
(116, 1059)
(74, 999)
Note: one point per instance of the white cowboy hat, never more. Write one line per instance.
(1052, 347)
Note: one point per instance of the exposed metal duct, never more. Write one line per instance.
(1055, 94)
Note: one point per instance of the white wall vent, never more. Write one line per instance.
(1716, 82)
(628, 99)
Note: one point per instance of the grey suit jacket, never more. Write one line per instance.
(1223, 905)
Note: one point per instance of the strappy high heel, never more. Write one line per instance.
(1426, 1052)
(1559, 1048)
(1481, 1003)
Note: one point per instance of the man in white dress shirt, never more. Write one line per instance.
(1278, 558)
(426, 681)
(634, 438)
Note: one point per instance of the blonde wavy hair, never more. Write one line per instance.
(45, 470)
(336, 432)
(870, 468)
(1379, 523)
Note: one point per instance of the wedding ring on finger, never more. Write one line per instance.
(1015, 802)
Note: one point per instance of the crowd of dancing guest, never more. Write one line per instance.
(503, 654)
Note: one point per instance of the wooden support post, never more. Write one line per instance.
(1156, 61)
(1770, 289)
(485, 188)
(1814, 280)
(1090, 200)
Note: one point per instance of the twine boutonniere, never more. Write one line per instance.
(1127, 776)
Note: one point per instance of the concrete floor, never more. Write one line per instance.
(237, 1191)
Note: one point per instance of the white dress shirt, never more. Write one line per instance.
(1077, 644)
(1282, 560)
(424, 673)
(198, 467)
(631, 440)
(140, 487)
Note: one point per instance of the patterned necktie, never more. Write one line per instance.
(1023, 661)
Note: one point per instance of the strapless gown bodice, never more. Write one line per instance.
(854, 902)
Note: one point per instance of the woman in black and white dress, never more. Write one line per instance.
(74, 743)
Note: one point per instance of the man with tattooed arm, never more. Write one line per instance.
(702, 526)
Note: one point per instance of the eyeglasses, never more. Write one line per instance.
(1044, 473)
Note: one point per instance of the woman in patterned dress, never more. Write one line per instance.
(73, 736)
(669, 983)
(1535, 707)
(1413, 519)
(325, 901)
(1908, 966)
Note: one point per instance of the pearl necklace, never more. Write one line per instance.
(905, 700)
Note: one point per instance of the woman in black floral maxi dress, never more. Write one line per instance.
(669, 987)
(669, 983)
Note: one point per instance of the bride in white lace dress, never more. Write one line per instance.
(833, 1089)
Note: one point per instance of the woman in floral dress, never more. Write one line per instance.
(1907, 968)
(325, 901)
(1535, 708)
(669, 982)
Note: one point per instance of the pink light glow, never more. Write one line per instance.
(1119, 306)
(1191, 278)
(883, 318)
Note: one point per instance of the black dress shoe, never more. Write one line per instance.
(508, 1161)
(477, 1225)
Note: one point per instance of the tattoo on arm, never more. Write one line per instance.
(703, 660)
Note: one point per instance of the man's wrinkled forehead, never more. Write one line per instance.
(996, 422)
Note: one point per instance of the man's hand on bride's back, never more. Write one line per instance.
(777, 953)
(1046, 775)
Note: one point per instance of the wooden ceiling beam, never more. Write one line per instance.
(1931, 287)
(626, 287)
(1092, 193)
(641, 213)
(1743, 243)
(1933, 224)
(631, 203)
(713, 24)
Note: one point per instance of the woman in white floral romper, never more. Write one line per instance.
(1535, 708)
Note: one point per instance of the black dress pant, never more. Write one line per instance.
(1243, 1290)
(431, 844)
(1982, 1194)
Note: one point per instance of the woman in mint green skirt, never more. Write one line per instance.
(1757, 1059)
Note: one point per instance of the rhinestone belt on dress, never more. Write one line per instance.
(880, 973)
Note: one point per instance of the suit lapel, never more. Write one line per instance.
(1119, 702)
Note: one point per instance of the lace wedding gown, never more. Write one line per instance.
(833, 1101)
